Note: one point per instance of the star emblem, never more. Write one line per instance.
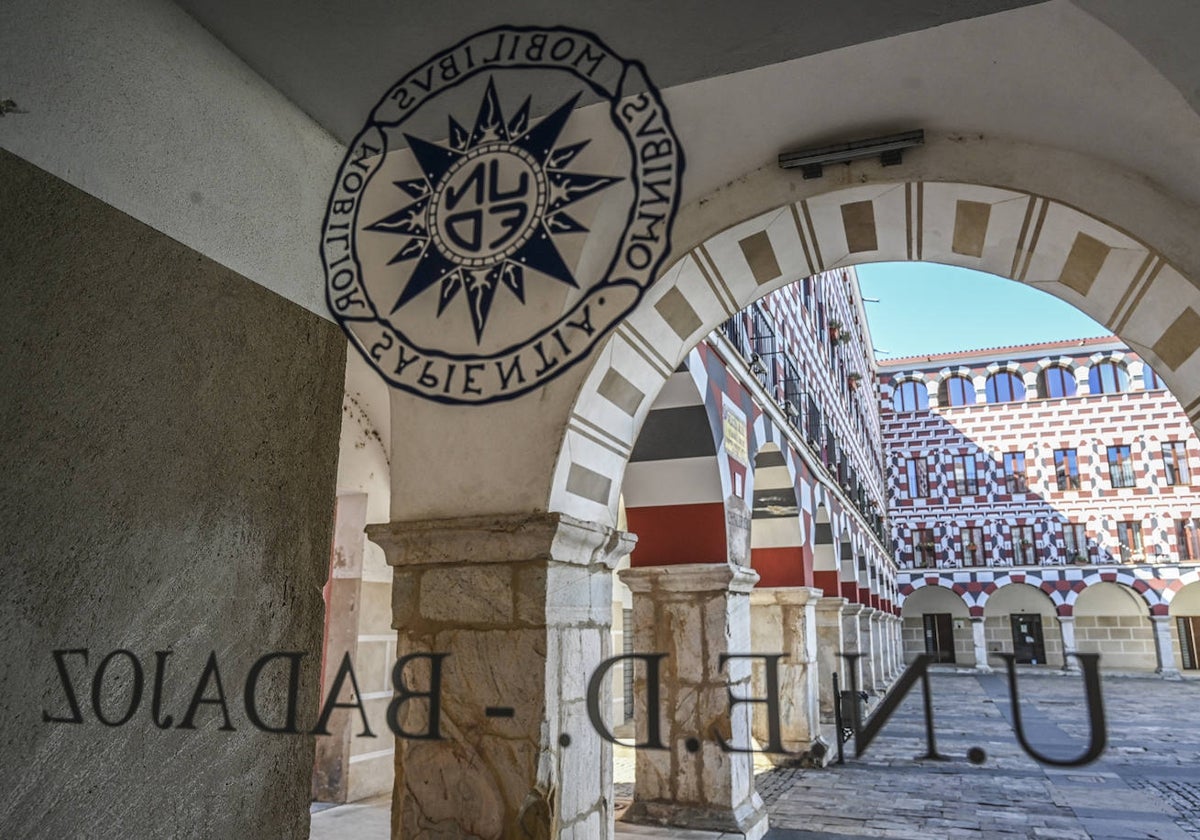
(488, 208)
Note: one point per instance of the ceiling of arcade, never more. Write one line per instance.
(743, 87)
(1031, 97)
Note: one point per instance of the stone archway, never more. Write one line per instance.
(917, 626)
(1118, 279)
(1001, 635)
(569, 457)
(1113, 620)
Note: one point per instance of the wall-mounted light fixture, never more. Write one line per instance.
(890, 150)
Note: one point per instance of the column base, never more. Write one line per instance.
(747, 821)
(1169, 674)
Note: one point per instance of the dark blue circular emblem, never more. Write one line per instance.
(493, 220)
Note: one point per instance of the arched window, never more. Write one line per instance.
(910, 396)
(1056, 381)
(1108, 377)
(956, 390)
(1150, 379)
(1005, 386)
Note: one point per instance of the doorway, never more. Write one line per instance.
(939, 636)
(1028, 643)
(1189, 640)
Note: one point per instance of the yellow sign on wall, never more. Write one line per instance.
(734, 423)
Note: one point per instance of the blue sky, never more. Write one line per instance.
(929, 308)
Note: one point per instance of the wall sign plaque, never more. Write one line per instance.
(506, 203)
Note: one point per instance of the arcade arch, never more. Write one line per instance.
(1184, 612)
(937, 621)
(1113, 620)
(1022, 619)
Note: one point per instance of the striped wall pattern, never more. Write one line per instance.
(1156, 586)
(1037, 427)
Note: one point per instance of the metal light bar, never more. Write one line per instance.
(889, 149)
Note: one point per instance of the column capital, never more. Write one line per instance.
(690, 577)
(976, 619)
(1064, 619)
(501, 538)
(831, 603)
(851, 608)
(796, 596)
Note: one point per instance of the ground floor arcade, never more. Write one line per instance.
(1138, 618)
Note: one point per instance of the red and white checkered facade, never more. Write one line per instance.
(1087, 423)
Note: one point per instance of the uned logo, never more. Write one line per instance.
(507, 202)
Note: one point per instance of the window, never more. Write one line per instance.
(1176, 463)
(910, 396)
(972, 545)
(917, 478)
(1014, 472)
(1005, 386)
(924, 548)
(1129, 538)
(956, 390)
(1066, 469)
(966, 480)
(1075, 542)
(1120, 466)
(1108, 378)
(1187, 534)
(1056, 381)
(1150, 379)
(1024, 547)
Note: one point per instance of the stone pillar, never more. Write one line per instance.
(829, 645)
(1066, 624)
(522, 606)
(694, 613)
(1164, 648)
(898, 636)
(784, 620)
(979, 638)
(852, 642)
(887, 657)
(866, 646)
(331, 767)
(878, 652)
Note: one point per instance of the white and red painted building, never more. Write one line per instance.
(1042, 500)
(764, 452)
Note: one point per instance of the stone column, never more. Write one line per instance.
(898, 635)
(887, 657)
(522, 607)
(979, 639)
(1164, 648)
(852, 642)
(784, 620)
(694, 613)
(331, 767)
(829, 645)
(1066, 624)
(878, 651)
(866, 645)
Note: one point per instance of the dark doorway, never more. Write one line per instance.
(939, 636)
(1189, 641)
(1028, 644)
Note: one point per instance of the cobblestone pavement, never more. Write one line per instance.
(1146, 785)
